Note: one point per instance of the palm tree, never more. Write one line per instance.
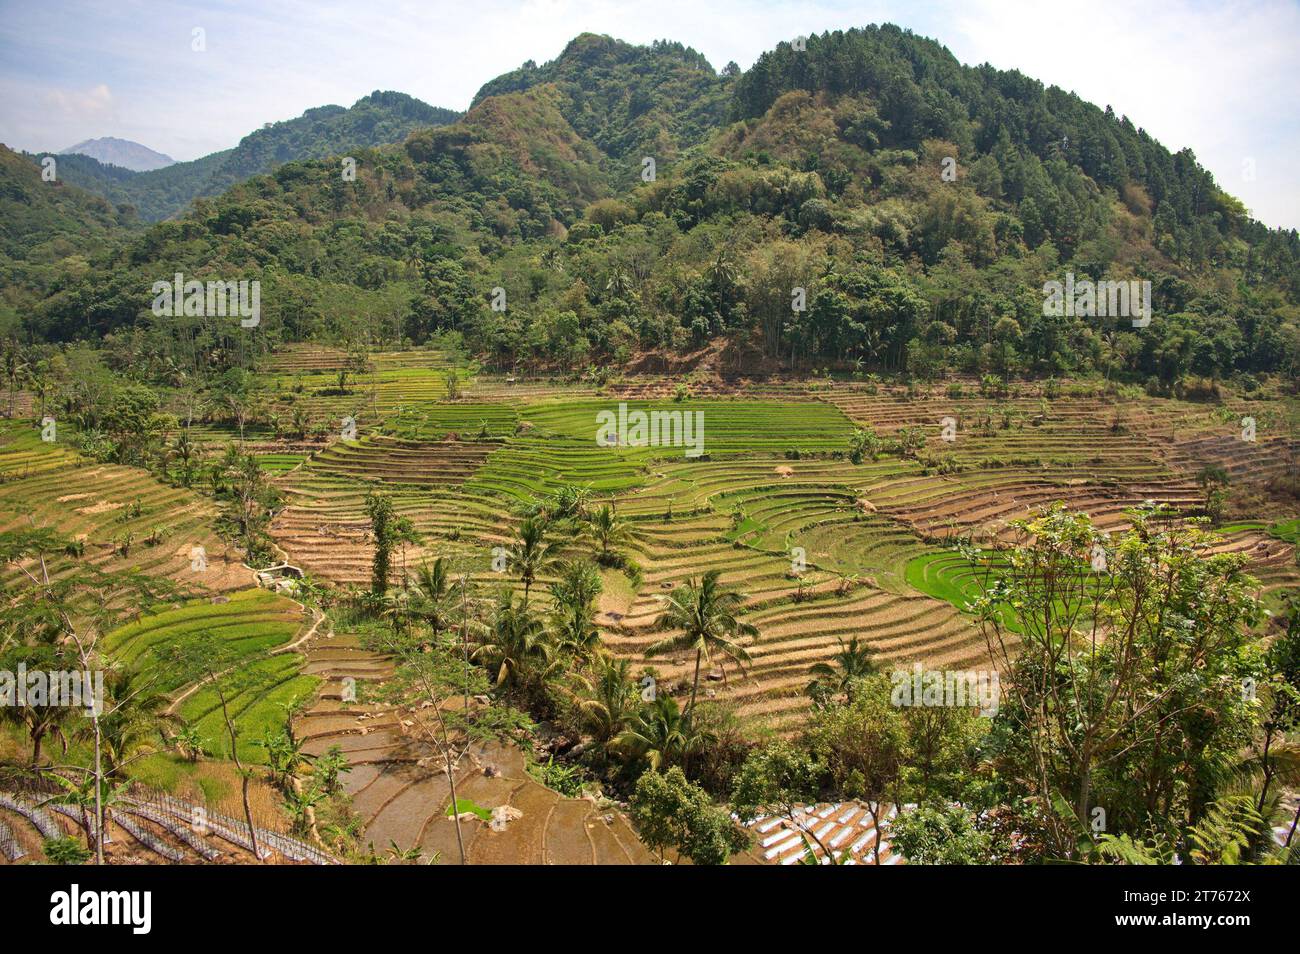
(395, 606)
(610, 699)
(14, 368)
(301, 422)
(532, 553)
(186, 451)
(661, 735)
(553, 260)
(723, 273)
(135, 719)
(851, 663)
(517, 645)
(431, 595)
(705, 614)
(571, 502)
(609, 531)
(620, 282)
(575, 592)
(41, 384)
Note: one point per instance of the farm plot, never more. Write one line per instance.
(250, 623)
(325, 530)
(739, 427)
(1257, 461)
(24, 454)
(125, 519)
(401, 795)
(526, 468)
(389, 460)
(845, 828)
(296, 357)
(800, 616)
(465, 419)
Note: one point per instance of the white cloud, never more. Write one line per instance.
(93, 105)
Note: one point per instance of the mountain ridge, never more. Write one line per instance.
(124, 153)
(822, 168)
(378, 118)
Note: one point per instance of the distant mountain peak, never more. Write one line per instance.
(121, 152)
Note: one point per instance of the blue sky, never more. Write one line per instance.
(1220, 77)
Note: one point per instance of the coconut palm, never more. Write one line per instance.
(553, 260)
(14, 369)
(134, 719)
(620, 282)
(431, 596)
(187, 452)
(705, 615)
(609, 700)
(517, 646)
(395, 607)
(723, 272)
(661, 735)
(532, 552)
(850, 664)
(301, 422)
(575, 592)
(609, 532)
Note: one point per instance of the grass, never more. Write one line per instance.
(260, 688)
(1288, 530)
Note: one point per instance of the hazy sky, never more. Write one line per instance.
(1220, 77)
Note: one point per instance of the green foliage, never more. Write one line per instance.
(64, 851)
(942, 836)
(828, 181)
(672, 812)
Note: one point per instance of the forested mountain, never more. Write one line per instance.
(381, 117)
(819, 169)
(120, 152)
(46, 231)
(630, 101)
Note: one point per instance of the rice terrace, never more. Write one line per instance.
(763, 504)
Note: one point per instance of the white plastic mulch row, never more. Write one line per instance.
(42, 822)
(236, 832)
(179, 832)
(148, 839)
(9, 846)
(781, 835)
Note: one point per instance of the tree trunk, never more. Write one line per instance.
(243, 776)
(1268, 773)
(99, 795)
(1085, 789)
(695, 688)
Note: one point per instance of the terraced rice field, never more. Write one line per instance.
(401, 793)
(390, 460)
(125, 518)
(852, 585)
(264, 684)
(773, 484)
